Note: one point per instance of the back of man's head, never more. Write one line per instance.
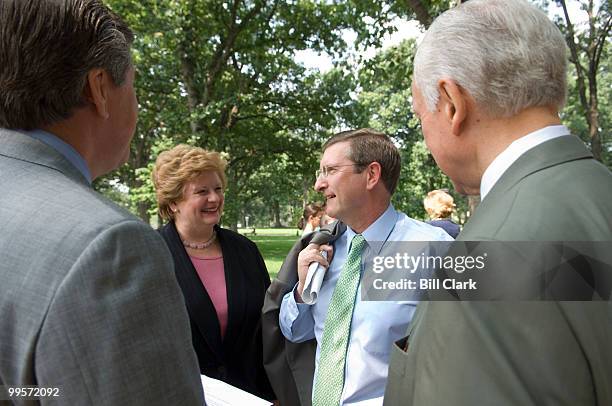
(47, 48)
(366, 146)
(506, 53)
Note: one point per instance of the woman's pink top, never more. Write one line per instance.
(212, 275)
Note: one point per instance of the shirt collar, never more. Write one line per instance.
(63, 148)
(378, 230)
(503, 161)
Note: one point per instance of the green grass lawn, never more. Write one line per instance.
(274, 244)
(288, 232)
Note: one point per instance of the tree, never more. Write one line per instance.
(222, 75)
(384, 103)
(586, 49)
(425, 11)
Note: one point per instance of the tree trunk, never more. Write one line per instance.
(473, 202)
(596, 147)
(142, 206)
(420, 11)
(139, 159)
(193, 96)
(277, 221)
(305, 189)
(143, 211)
(596, 40)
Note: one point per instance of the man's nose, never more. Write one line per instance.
(320, 184)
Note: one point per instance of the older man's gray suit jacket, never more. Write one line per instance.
(88, 299)
(519, 353)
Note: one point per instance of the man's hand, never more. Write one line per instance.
(310, 254)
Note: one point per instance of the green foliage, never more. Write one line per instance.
(223, 75)
(419, 176)
(605, 106)
(385, 104)
(113, 189)
(573, 115)
(588, 44)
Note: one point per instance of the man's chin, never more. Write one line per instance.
(458, 188)
(329, 209)
(465, 190)
(125, 157)
(332, 213)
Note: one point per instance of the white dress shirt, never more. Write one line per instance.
(503, 161)
(375, 325)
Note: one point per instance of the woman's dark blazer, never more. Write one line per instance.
(449, 226)
(237, 359)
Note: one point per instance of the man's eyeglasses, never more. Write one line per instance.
(325, 171)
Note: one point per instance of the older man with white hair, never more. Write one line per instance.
(489, 81)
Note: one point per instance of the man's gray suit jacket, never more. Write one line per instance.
(88, 299)
(519, 353)
(290, 366)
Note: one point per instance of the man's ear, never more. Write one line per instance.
(97, 86)
(454, 104)
(373, 172)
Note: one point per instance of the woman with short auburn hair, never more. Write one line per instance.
(440, 206)
(221, 273)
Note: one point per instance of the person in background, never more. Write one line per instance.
(89, 306)
(221, 273)
(326, 219)
(311, 218)
(439, 206)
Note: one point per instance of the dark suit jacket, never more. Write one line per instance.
(449, 226)
(290, 366)
(237, 359)
(519, 353)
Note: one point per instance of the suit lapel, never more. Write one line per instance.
(199, 305)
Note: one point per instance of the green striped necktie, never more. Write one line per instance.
(336, 332)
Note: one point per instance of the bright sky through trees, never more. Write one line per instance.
(410, 29)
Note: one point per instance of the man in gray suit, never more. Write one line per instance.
(489, 81)
(89, 305)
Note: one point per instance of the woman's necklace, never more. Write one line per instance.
(201, 245)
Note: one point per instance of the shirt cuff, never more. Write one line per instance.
(290, 311)
(293, 307)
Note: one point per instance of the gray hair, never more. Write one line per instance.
(47, 48)
(506, 53)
